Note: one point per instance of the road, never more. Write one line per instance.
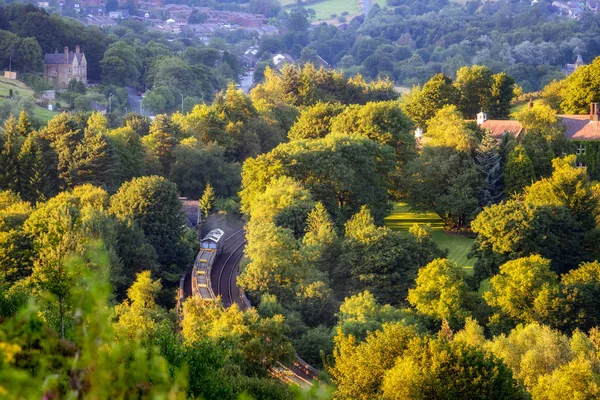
(247, 81)
(366, 7)
(135, 101)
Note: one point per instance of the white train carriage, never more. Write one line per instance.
(213, 241)
(210, 246)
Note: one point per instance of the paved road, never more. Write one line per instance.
(135, 101)
(247, 81)
(366, 6)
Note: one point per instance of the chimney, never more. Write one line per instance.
(594, 111)
(66, 55)
(77, 49)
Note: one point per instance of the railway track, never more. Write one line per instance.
(223, 278)
(224, 270)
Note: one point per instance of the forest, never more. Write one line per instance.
(93, 244)
(93, 241)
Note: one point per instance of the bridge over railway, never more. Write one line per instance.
(222, 282)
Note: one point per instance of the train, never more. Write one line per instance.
(210, 247)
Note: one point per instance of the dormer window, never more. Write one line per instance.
(580, 148)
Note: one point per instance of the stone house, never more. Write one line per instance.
(60, 68)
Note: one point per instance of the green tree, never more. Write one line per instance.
(153, 203)
(437, 369)
(9, 174)
(379, 260)
(501, 94)
(516, 229)
(519, 171)
(207, 200)
(139, 317)
(517, 293)
(120, 65)
(24, 126)
(128, 153)
(474, 84)
(360, 367)
(447, 128)
(161, 141)
(36, 183)
(315, 121)
(423, 103)
(383, 123)
(489, 163)
(447, 182)
(441, 291)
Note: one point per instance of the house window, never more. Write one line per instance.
(580, 148)
(580, 164)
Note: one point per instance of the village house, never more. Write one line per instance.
(61, 68)
(581, 130)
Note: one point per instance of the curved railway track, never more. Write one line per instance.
(223, 278)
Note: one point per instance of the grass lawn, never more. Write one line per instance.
(22, 89)
(324, 9)
(402, 218)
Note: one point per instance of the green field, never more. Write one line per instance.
(22, 89)
(324, 9)
(402, 218)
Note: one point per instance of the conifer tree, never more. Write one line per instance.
(34, 177)
(9, 171)
(93, 160)
(519, 172)
(207, 200)
(24, 127)
(489, 162)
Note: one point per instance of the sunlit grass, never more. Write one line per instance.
(23, 90)
(402, 218)
(324, 9)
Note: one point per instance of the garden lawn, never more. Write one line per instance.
(402, 218)
(324, 9)
(20, 88)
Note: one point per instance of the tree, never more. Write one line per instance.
(517, 292)
(161, 141)
(580, 289)
(24, 125)
(315, 121)
(501, 94)
(437, 369)
(270, 8)
(423, 103)
(36, 183)
(360, 367)
(383, 123)
(9, 175)
(519, 171)
(473, 84)
(532, 351)
(449, 129)
(381, 261)
(343, 172)
(445, 181)
(152, 203)
(544, 137)
(128, 153)
(139, 316)
(568, 186)
(121, 65)
(441, 291)
(489, 163)
(207, 200)
(516, 229)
